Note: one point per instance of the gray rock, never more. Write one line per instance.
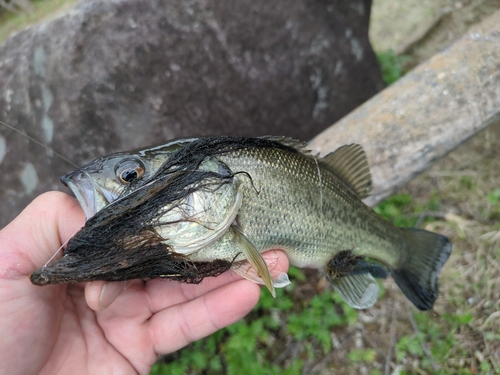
(115, 75)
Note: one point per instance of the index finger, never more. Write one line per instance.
(163, 295)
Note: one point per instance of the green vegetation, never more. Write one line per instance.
(391, 65)
(256, 343)
(13, 22)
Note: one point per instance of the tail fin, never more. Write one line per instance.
(418, 276)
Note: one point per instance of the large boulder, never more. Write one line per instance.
(114, 75)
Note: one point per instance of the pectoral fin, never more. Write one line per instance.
(247, 271)
(359, 291)
(255, 258)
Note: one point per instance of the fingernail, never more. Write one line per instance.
(110, 291)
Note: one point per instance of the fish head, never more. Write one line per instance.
(105, 179)
(153, 230)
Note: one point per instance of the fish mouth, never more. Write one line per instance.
(90, 196)
(83, 190)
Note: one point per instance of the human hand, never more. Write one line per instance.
(63, 329)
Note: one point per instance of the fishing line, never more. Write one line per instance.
(60, 248)
(31, 41)
(39, 143)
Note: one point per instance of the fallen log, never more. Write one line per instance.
(426, 114)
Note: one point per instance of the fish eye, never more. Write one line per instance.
(129, 170)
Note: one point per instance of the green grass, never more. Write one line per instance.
(255, 342)
(403, 211)
(11, 22)
(391, 65)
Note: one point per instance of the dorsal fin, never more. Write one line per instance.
(288, 141)
(349, 162)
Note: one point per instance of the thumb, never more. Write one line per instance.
(34, 237)
(30, 314)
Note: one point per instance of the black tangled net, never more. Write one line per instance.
(120, 241)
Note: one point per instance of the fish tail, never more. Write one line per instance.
(417, 276)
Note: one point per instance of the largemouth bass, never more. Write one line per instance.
(198, 207)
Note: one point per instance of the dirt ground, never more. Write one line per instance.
(465, 185)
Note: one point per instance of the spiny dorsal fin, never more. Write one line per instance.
(291, 142)
(351, 165)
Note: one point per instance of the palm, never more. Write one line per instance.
(60, 328)
(66, 336)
